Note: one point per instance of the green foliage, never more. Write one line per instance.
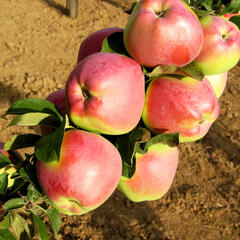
(114, 44)
(6, 234)
(48, 148)
(138, 141)
(39, 227)
(3, 183)
(13, 203)
(31, 105)
(21, 141)
(4, 161)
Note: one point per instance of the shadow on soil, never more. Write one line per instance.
(126, 219)
(9, 93)
(219, 141)
(57, 6)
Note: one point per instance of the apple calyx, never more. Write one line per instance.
(85, 92)
(161, 13)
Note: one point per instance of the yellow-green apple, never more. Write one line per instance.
(105, 93)
(93, 43)
(163, 32)
(15, 158)
(177, 103)
(221, 47)
(154, 174)
(58, 98)
(218, 83)
(88, 171)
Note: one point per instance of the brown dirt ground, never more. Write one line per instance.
(39, 46)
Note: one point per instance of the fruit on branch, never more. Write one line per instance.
(154, 174)
(176, 103)
(58, 98)
(221, 47)
(163, 32)
(88, 171)
(218, 83)
(15, 159)
(93, 43)
(105, 93)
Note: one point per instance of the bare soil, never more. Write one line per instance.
(39, 46)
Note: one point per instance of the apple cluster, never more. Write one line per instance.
(164, 83)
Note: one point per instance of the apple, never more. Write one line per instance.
(163, 32)
(88, 171)
(15, 158)
(221, 47)
(58, 98)
(93, 43)
(105, 93)
(154, 174)
(229, 15)
(218, 83)
(177, 103)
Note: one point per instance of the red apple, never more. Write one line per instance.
(180, 104)
(229, 15)
(105, 93)
(163, 32)
(221, 47)
(93, 43)
(58, 98)
(88, 171)
(154, 174)
(218, 83)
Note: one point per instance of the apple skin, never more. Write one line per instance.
(221, 47)
(58, 98)
(218, 83)
(105, 93)
(93, 43)
(175, 38)
(154, 174)
(87, 173)
(180, 104)
(229, 15)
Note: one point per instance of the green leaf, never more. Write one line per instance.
(170, 139)
(126, 146)
(114, 44)
(31, 105)
(235, 20)
(4, 161)
(207, 4)
(29, 174)
(159, 71)
(55, 219)
(39, 227)
(192, 70)
(36, 118)
(232, 7)
(6, 222)
(6, 234)
(129, 11)
(33, 194)
(20, 227)
(22, 141)
(3, 183)
(13, 203)
(138, 141)
(48, 148)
